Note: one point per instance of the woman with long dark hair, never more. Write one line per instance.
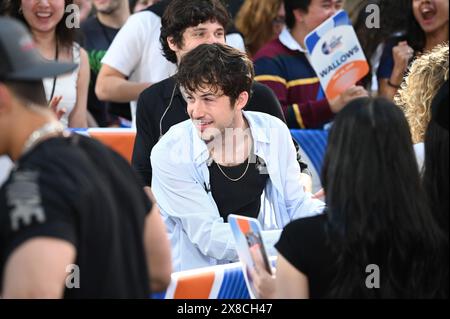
(52, 25)
(378, 238)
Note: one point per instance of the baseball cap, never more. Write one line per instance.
(19, 58)
(440, 106)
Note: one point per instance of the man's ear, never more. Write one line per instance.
(172, 44)
(242, 100)
(5, 99)
(299, 15)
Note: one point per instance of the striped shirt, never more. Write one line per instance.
(282, 65)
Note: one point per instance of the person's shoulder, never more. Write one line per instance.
(179, 135)
(306, 227)
(156, 94)
(264, 120)
(159, 89)
(137, 25)
(173, 151)
(179, 132)
(57, 149)
(56, 160)
(92, 146)
(72, 149)
(144, 18)
(270, 50)
(157, 8)
(260, 89)
(89, 24)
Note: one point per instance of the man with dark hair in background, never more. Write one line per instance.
(71, 207)
(185, 25)
(134, 60)
(99, 31)
(283, 65)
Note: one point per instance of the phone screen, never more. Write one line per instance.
(257, 251)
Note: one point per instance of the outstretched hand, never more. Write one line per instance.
(320, 194)
(264, 283)
(54, 106)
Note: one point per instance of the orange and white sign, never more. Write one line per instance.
(336, 55)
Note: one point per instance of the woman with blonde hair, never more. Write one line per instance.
(425, 77)
(260, 21)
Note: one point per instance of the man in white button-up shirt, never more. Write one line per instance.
(216, 81)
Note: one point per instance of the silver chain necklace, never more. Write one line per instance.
(44, 131)
(235, 179)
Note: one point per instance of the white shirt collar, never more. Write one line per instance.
(288, 41)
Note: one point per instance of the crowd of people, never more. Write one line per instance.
(212, 88)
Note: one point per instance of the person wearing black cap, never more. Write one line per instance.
(74, 221)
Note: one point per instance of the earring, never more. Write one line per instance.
(20, 10)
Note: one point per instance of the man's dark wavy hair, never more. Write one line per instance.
(216, 66)
(182, 14)
(377, 210)
(290, 6)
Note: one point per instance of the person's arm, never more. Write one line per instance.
(112, 85)
(304, 114)
(270, 73)
(306, 182)
(184, 200)
(263, 282)
(314, 114)
(354, 92)
(402, 55)
(85, 8)
(40, 238)
(123, 57)
(293, 250)
(287, 282)
(78, 116)
(149, 192)
(145, 138)
(298, 203)
(387, 89)
(309, 114)
(264, 100)
(290, 283)
(157, 250)
(37, 269)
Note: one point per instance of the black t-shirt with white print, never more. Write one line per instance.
(77, 190)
